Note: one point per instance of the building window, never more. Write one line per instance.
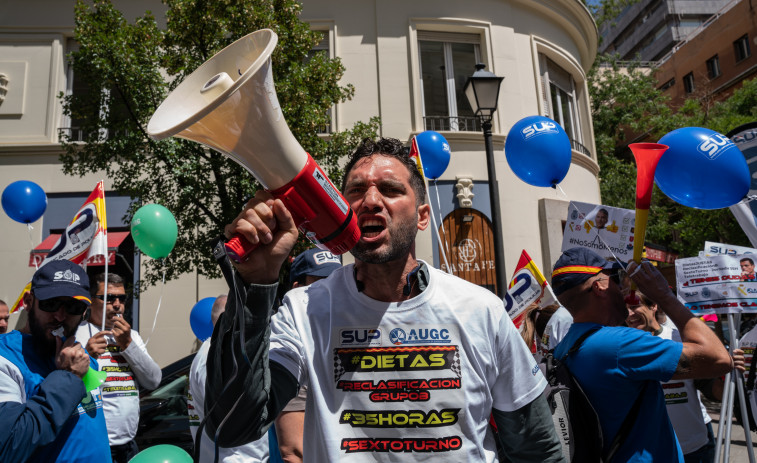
(667, 84)
(713, 67)
(741, 48)
(101, 107)
(446, 62)
(322, 47)
(688, 82)
(559, 98)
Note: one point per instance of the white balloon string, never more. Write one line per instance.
(442, 243)
(31, 242)
(598, 235)
(157, 310)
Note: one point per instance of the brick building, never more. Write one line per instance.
(715, 59)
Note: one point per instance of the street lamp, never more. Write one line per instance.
(482, 90)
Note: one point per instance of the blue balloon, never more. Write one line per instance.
(200, 320)
(702, 169)
(538, 151)
(435, 153)
(24, 201)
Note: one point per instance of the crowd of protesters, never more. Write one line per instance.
(386, 359)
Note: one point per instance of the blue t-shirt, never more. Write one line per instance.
(612, 366)
(83, 436)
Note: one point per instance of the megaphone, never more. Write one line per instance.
(229, 103)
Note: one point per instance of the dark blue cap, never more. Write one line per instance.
(577, 265)
(314, 262)
(61, 278)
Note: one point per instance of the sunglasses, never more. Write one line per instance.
(71, 306)
(617, 275)
(112, 298)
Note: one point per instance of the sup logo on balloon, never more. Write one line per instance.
(702, 169)
(538, 151)
(540, 128)
(714, 146)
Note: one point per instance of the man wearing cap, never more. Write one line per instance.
(308, 267)
(616, 364)
(46, 414)
(119, 350)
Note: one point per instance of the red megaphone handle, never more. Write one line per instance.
(238, 247)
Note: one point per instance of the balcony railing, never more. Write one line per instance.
(77, 134)
(447, 123)
(579, 147)
(473, 124)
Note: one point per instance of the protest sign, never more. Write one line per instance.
(717, 284)
(606, 230)
(713, 249)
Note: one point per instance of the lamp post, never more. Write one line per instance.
(482, 91)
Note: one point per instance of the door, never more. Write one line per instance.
(468, 242)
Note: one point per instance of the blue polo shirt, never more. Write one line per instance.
(612, 366)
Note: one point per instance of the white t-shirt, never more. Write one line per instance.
(254, 452)
(555, 330)
(413, 380)
(120, 392)
(748, 343)
(685, 409)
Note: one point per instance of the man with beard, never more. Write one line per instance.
(401, 361)
(46, 413)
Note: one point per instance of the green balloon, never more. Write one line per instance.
(162, 453)
(154, 230)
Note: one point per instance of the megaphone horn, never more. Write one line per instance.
(229, 103)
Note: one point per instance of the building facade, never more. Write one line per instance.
(715, 59)
(408, 62)
(649, 29)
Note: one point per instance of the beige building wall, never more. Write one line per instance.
(377, 41)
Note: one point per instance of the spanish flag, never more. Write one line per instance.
(415, 155)
(85, 236)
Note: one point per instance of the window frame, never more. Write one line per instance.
(328, 29)
(741, 48)
(547, 96)
(688, 83)
(447, 39)
(713, 67)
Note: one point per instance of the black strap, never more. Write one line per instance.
(625, 428)
(627, 425)
(579, 341)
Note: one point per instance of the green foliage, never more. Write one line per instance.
(627, 108)
(129, 69)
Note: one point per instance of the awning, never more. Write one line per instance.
(114, 241)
